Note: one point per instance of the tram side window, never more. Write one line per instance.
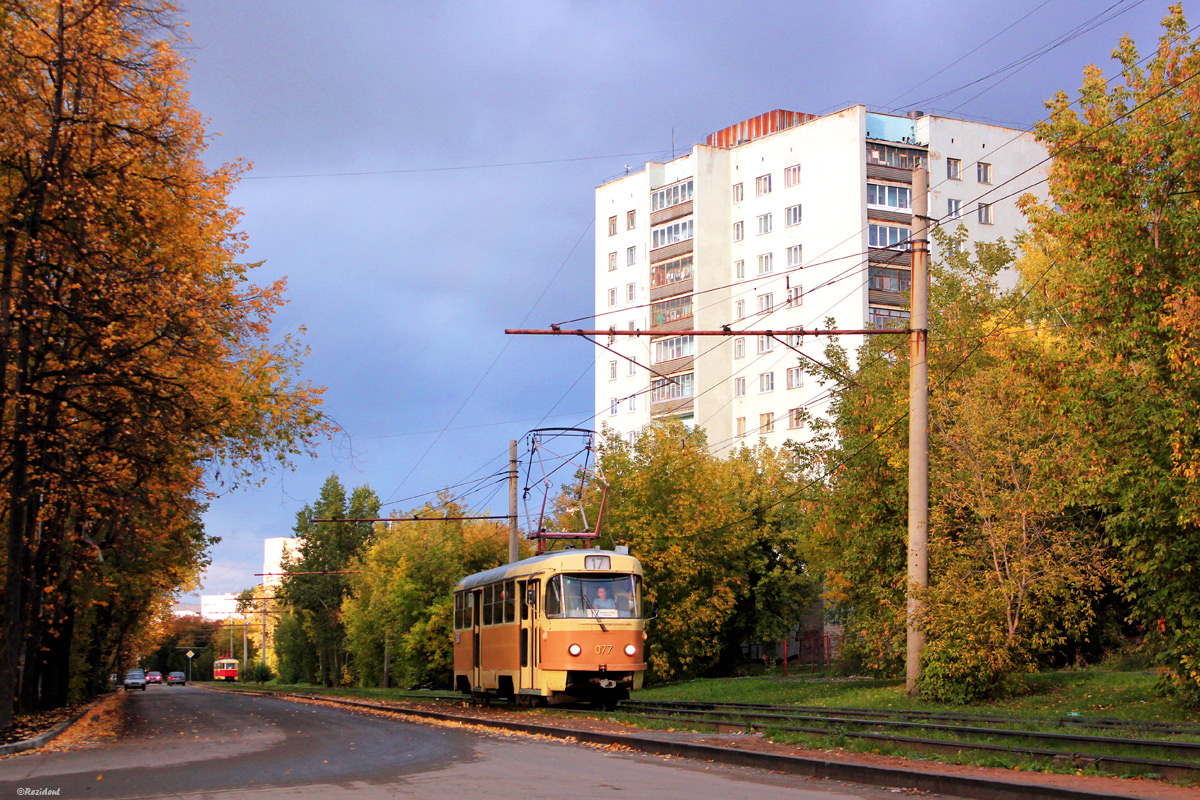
(458, 611)
(553, 598)
(487, 605)
(510, 601)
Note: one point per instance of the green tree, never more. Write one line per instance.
(316, 584)
(403, 595)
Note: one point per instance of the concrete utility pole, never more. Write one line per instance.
(513, 552)
(918, 426)
(245, 638)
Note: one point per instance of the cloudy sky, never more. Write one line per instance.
(424, 175)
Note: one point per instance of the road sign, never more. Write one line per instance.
(190, 654)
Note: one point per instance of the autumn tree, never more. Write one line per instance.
(133, 348)
(715, 540)
(1118, 241)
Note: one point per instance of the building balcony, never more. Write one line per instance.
(672, 250)
(683, 364)
(883, 215)
(668, 408)
(886, 173)
(889, 258)
(671, 289)
(670, 213)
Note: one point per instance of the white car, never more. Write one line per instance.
(135, 679)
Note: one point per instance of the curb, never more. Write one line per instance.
(52, 734)
(964, 786)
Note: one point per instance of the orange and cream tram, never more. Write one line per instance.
(557, 627)
(225, 669)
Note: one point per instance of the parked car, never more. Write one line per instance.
(153, 677)
(176, 679)
(135, 679)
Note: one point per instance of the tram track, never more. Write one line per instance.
(1172, 759)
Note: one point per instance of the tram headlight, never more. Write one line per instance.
(630, 649)
(574, 649)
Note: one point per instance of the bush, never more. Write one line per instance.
(260, 673)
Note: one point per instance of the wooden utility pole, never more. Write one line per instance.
(918, 428)
(513, 551)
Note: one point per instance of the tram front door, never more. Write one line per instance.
(528, 592)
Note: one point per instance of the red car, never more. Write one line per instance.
(153, 677)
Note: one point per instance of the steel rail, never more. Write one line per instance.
(1086, 722)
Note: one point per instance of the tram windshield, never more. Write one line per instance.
(594, 596)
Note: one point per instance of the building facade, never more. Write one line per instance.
(783, 221)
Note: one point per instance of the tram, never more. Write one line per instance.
(225, 669)
(558, 627)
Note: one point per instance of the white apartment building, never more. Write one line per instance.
(779, 222)
(275, 550)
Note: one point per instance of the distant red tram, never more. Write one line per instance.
(225, 669)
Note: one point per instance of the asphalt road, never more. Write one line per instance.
(189, 742)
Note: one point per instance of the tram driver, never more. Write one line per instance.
(603, 600)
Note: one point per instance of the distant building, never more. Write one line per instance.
(186, 609)
(274, 552)
(778, 223)
(218, 607)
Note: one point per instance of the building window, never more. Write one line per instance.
(985, 213)
(766, 263)
(764, 224)
(676, 387)
(890, 236)
(739, 309)
(630, 292)
(739, 426)
(795, 378)
(894, 198)
(612, 226)
(737, 193)
(795, 339)
(954, 209)
(671, 195)
(766, 382)
(890, 279)
(887, 317)
(887, 156)
(739, 387)
(765, 344)
(795, 418)
(765, 303)
(630, 220)
(737, 232)
(612, 297)
(673, 348)
(612, 370)
(739, 269)
(762, 185)
(671, 233)
(795, 297)
(631, 405)
(676, 308)
(791, 216)
(632, 368)
(739, 347)
(795, 255)
(791, 176)
(613, 405)
(631, 256)
(612, 262)
(983, 172)
(766, 422)
(674, 271)
(953, 169)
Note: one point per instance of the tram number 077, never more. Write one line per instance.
(603, 649)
